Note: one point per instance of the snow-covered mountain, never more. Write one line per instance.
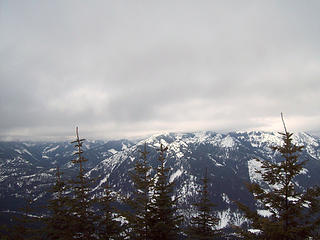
(27, 169)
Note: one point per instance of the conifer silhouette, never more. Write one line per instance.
(139, 219)
(58, 221)
(165, 222)
(292, 212)
(108, 227)
(83, 218)
(204, 223)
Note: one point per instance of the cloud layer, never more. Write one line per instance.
(129, 68)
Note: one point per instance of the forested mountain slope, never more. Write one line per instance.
(28, 169)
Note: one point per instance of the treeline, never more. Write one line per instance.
(152, 210)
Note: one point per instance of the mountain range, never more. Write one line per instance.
(27, 169)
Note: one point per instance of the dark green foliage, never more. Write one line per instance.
(108, 227)
(139, 220)
(203, 224)
(21, 230)
(25, 225)
(57, 223)
(292, 211)
(82, 217)
(164, 220)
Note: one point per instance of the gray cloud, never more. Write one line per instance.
(120, 69)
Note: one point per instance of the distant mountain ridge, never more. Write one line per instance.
(28, 169)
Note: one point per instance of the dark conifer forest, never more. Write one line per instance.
(152, 210)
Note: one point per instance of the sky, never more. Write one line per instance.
(127, 69)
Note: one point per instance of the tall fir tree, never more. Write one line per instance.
(203, 225)
(58, 221)
(108, 227)
(292, 212)
(165, 222)
(83, 218)
(139, 218)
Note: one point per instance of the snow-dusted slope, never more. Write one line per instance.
(27, 169)
(229, 158)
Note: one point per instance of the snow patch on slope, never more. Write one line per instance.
(304, 171)
(189, 187)
(47, 149)
(259, 139)
(229, 218)
(178, 147)
(18, 151)
(23, 151)
(175, 175)
(264, 213)
(201, 136)
(104, 180)
(227, 142)
(113, 151)
(225, 198)
(309, 142)
(253, 166)
(303, 138)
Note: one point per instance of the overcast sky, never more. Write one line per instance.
(132, 68)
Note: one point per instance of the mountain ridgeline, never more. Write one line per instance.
(28, 169)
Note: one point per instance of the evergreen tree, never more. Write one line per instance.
(164, 220)
(292, 211)
(58, 222)
(140, 203)
(82, 217)
(109, 227)
(202, 225)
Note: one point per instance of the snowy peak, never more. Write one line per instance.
(28, 169)
(180, 143)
